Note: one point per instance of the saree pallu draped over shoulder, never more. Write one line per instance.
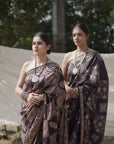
(87, 113)
(44, 123)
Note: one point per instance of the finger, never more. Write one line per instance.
(34, 100)
(74, 95)
(76, 92)
(27, 105)
(30, 105)
(72, 92)
(35, 94)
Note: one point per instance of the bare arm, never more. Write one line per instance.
(73, 92)
(65, 64)
(65, 68)
(21, 80)
(31, 98)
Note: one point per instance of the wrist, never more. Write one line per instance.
(24, 95)
(42, 96)
(28, 97)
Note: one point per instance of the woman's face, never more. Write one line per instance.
(79, 37)
(39, 47)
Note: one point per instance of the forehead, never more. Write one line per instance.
(37, 38)
(77, 30)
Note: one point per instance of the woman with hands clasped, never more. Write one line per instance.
(86, 83)
(43, 117)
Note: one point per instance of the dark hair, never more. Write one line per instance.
(45, 38)
(83, 27)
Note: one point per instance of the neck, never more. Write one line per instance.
(81, 49)
(41, 60)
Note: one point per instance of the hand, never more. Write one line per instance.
(73, 92)
(33, 99)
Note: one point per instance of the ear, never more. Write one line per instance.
(48, 47)
(87, 36)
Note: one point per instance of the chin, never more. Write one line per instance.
(35, 54)
(77, 44)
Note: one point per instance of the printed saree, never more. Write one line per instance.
(87, 113)
(44, 123)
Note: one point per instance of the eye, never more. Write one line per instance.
(39, 43)
(79, 34)
(33, 43)
(74, 35)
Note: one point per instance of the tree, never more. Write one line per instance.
(58, 26)
(96, 14)
(20, 20)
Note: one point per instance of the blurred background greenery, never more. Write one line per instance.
(20, 20)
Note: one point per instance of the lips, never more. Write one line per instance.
(36, 50)
(76, 41)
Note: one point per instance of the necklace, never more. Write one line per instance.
(75, 69)
(35, 78)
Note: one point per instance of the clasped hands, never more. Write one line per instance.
(73, 92)
(33, 99)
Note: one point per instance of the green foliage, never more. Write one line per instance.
(97, 15)
(20, 20)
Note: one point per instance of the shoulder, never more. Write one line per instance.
(95, 54)
(68, 57)
(27, 65)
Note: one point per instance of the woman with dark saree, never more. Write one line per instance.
(86, 83)
(43, 97)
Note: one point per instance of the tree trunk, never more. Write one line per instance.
(59, 26)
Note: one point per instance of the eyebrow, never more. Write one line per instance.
(76, 33)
